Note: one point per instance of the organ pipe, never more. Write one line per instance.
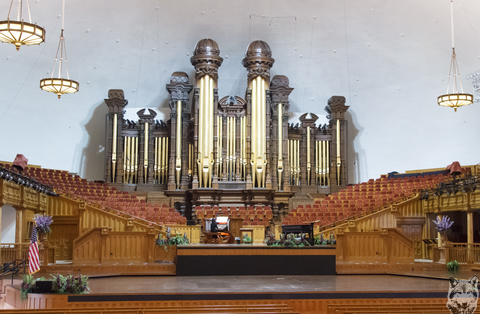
(145, 153)
(114, 147)
(259, 130)
(339, 160)
(280, 145)
(125, 160)
(308, 156)
(205, 132)
(178, 140)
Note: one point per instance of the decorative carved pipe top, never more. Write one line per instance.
(206, 58)
(208, 47)
(258, 60)
(179, 77)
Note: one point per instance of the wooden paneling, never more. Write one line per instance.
(454, 202)
(99, 245)
(62, 238)
(303, 306)
(258, 234)
(193, 232)
(387, 245)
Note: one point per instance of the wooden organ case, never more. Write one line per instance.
(232, 150)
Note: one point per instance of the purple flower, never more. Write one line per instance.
(443, 225)
(43, 223)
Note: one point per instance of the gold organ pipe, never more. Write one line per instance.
(297, 159)
(166, 150)
(210, 125)
(263, 126)
(114, 147)
(339, 160)
(316, 163)
(145, 153)
(280, 145)
(253, 131)
(258, 130)
(308, 156)
(155, 164)
(200, 132)
(178, 140)
(135, 161)
(160, 160)
(131, 158)
(234, 125)
(230, 133)
(324, 163)
(327, 163)
(125, 160)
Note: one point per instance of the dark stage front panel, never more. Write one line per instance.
(215, 265)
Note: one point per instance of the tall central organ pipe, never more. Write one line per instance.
(258, 125)
(205, 132)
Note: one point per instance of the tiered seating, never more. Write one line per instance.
(361, 198)
(103, 195)
(252, 215)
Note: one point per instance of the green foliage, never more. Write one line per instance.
(453, 266)
(172, 240)
(69, 284)
(28, 285)
(246, 239)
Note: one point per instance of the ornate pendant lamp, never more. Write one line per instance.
(19, 32)
(457, 98)
(60, 85)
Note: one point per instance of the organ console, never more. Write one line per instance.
(227, 230)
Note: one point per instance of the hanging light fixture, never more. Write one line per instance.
(19, 32)
(457, 98)
(60, 85)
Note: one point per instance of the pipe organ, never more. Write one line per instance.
(211, 143)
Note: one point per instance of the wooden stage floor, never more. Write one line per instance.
(351, 284)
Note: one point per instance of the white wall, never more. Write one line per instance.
(390, 59)
(8, 224)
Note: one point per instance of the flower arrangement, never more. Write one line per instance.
(291, 240)
(172, 240)
(70, 284)
(442, 225)
(271, 241)
(27, 286)
(43, 223)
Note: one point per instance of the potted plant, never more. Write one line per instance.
(247, 239)
(28, 285)
(442, 225)
(43, 226)
(69, 284)
(167, 254)
(453, 266)
(271, 241)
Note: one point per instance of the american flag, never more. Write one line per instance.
(34, 264)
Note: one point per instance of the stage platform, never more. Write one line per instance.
(305, 294)
(248, 259)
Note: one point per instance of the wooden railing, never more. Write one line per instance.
(14, 251)
(464, 253)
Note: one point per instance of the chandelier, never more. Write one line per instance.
(457, 98)
(60, 85)
(19, 32)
